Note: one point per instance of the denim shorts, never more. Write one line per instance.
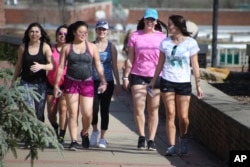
(81, 87)
(184, 88)
(141, 80)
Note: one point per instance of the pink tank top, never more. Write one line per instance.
(51, 75)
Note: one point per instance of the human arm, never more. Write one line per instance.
(115, 70)
(48, 55)
(128, 67)
(19, 64)
(98, 66)
(196, 73)
(158, 69)
(60, 69)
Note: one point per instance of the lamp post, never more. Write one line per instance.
(215, 28)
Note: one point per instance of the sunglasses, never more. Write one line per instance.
(62, 33)
(101, 29)
(174, 50)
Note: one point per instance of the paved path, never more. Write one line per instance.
(121, 151)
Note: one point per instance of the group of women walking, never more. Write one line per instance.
(77, 76)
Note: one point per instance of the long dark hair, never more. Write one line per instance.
(180, 22)
(44, 36)
(72, 28)
(158, 26)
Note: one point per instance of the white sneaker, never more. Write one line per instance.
(102, 143)
(94, 138)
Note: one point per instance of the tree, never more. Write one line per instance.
(18, 122)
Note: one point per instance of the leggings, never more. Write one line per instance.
(39, 106)
(103, 100)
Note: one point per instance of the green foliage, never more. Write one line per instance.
(18, 123)
(8, 52)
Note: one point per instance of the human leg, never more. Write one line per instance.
(86, 109)
(153, 118)
(139, 98)
(104, 110)
(62, 118)
(41, 89)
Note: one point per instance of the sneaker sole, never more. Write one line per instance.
(151, 149)
(73, 149)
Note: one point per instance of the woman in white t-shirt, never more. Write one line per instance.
(143, 54)
(176, 53)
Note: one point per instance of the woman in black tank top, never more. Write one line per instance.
(80, 54)
(34, 59)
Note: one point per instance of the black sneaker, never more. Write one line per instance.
(73, 146)
(85, 140)
(141, 143)
(61, 140)
(151, 145)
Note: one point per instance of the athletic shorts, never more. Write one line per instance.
(81, 87)
(184, 88)
(50, 88)
(141, 80)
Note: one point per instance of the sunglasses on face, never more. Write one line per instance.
(150, 19)
(62, 33)
(101, 29)
(173, 50)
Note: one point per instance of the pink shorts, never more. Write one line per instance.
(83, 88)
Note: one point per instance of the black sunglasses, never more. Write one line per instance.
(174, 50)
(150, 19)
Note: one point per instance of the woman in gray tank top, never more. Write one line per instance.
(78, 83)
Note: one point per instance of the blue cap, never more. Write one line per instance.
(102, 24)
(151, 13)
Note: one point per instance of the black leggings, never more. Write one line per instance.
(103, 100)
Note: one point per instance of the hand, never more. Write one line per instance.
(199, 92)
(125, 83)
(57, 92)
(102, 87)
(36, 67)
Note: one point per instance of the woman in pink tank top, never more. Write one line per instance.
(54, 105)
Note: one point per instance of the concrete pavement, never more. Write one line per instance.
(121, 151)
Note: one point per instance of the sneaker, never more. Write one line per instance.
(102, 143)
(94, 138)
(171, 151)
(73, 146)
(183, 145)
(85, 140)
(141, 143)
(61, 140)
(151, 145)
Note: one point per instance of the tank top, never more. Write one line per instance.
(28, 60)
(106, 60)
(51, 75)
(79, 65)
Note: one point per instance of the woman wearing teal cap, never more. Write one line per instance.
(143, 54)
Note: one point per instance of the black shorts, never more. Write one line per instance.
(184, 88)
(141, 80)
(50, 88)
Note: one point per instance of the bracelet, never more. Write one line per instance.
(124, 78)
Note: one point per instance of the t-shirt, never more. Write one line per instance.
(146, 47)
(176, 67)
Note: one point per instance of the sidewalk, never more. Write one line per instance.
(121, 151)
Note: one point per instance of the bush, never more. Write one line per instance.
(18, 122)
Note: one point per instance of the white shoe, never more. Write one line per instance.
(94, 138)
(102, 143)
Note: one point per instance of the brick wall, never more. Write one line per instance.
(54, 15)
(200, 17)
(2, 18)
(220, 122)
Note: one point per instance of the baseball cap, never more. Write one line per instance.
(102, 24)
(150, 12)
